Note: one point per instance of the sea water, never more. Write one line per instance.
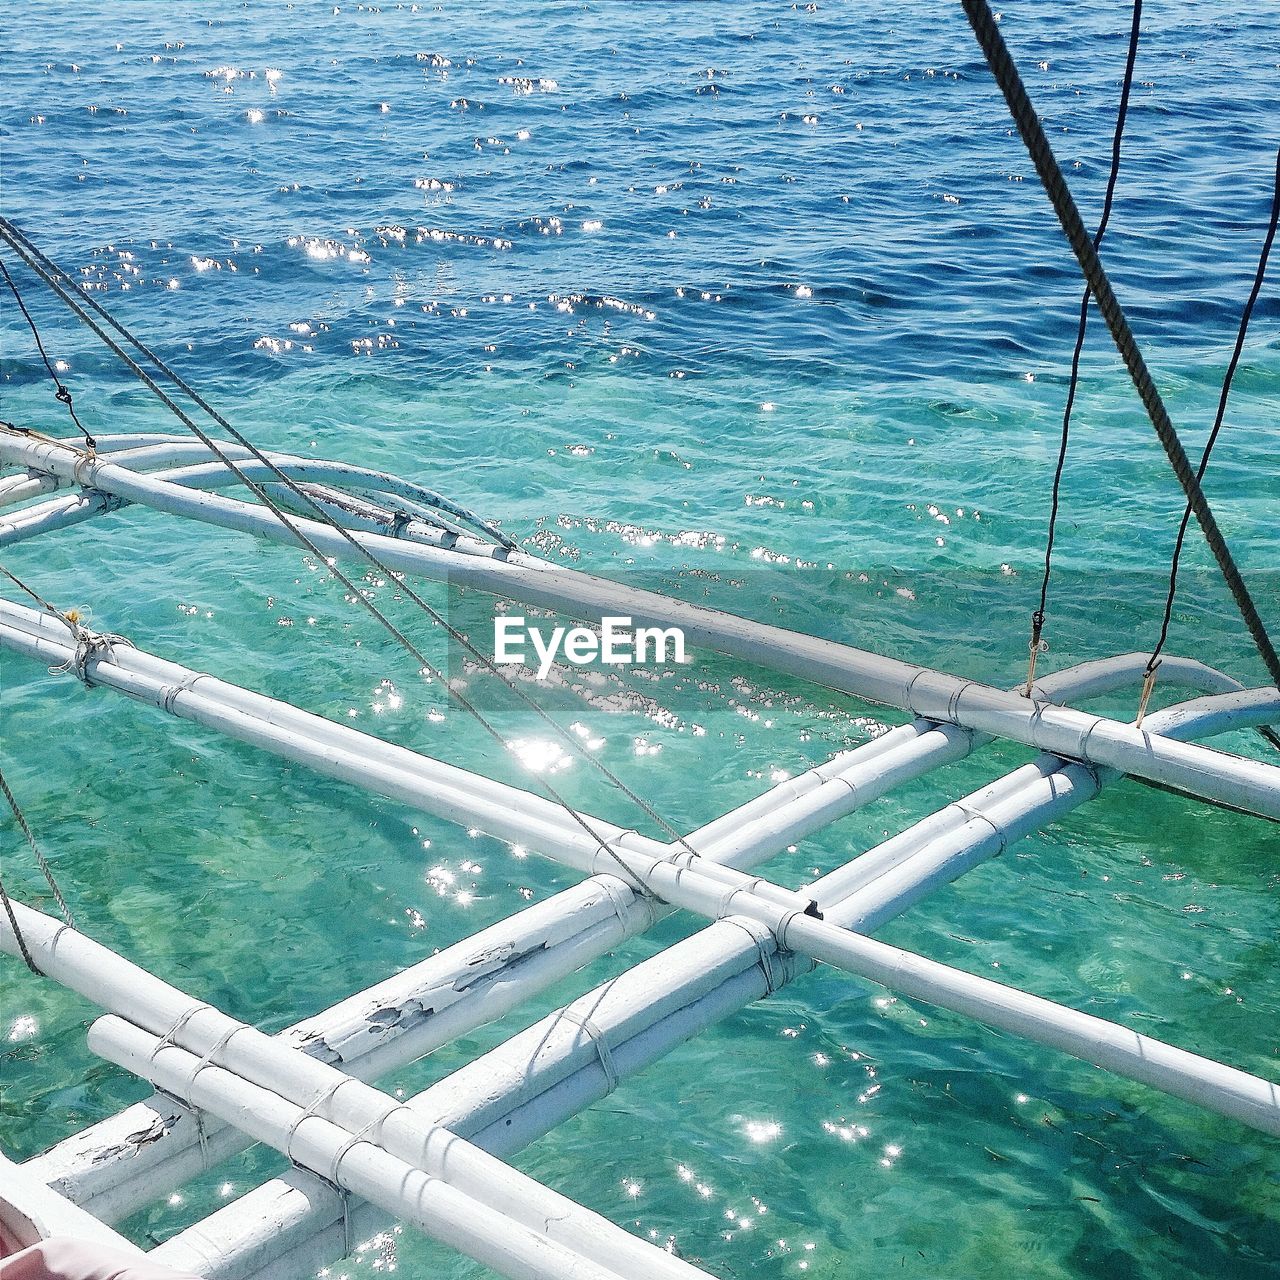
(756, 303)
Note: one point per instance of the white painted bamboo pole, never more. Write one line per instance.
(114, 1167)
(546, 1086)
(207, 472)
(555, 1063)
(993, 812)
(79, 1165)
(31, 1212)
(163, 454)
(1252, 1101)
(1226, 713)
(118, 441)
(359, 1166)
(323, 1111)
(165, 1016)
(59, 513)
(1199, 771)
(19, 488)
(469, 798)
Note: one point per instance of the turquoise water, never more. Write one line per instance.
(750, 301)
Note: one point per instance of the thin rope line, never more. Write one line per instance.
(1245, 316)
(61, 394)
(1121, 115)
(258, 490)
(50, 272)
(17, 932)
(39, 599)
(41, 861)
(1010, 82)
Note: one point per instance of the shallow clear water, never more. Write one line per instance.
(756, 303)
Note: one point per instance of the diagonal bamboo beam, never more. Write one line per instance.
(1198, 771)
(451, 1189)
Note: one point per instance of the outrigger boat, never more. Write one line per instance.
(361, 1156)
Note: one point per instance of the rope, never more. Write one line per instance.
(599, 1042)
(61, 394)
(17, 932)
(41, 861)
(1006, 74)
(767, 950)
(53, 277)
(88, 643)
(1038, 617)
(1245, 317)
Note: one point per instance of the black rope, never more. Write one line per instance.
(1037, 618)
(1245, 317)
(54, 277)
(1006, 74)
(61, 394)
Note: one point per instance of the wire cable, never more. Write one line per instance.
(1122, 112)
(61, 394)
(1032, 131)
(1245, 316)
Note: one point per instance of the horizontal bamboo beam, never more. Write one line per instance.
(1244, 784)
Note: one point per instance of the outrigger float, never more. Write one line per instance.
(437, 1160)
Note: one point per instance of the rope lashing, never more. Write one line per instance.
(598, 1040)
(1245, 316)
(205, 1060)
(170, 1038)
(1148, 684)
(1039, 646)
(88, 645)
(767, 951)
(633, 880)
(61, 393)
(1029, 127)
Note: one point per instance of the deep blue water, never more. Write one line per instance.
(748, 299)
